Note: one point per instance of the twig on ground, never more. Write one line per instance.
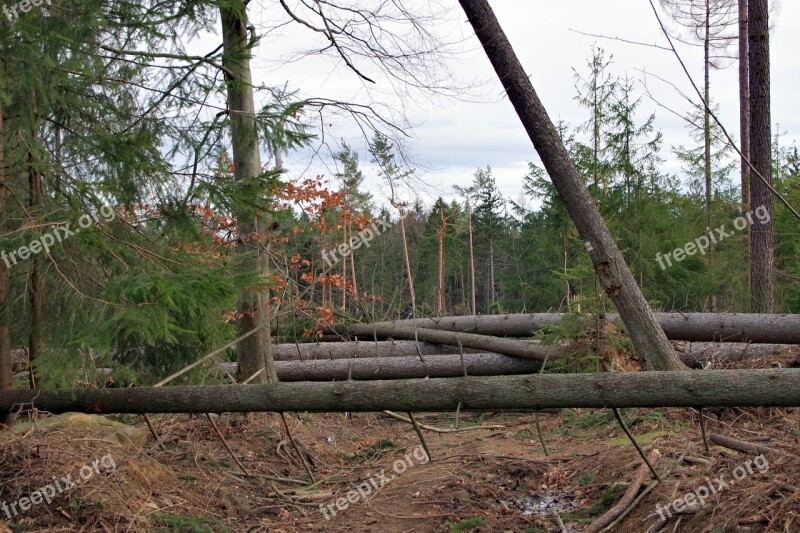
(439, 430)
(627, 498)
(742, 446)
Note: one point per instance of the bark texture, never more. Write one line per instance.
(252, 351)
(406, 367)
(514, 347)
(6, 366)
(710, 327)
(762, 262)
(711, 388)
(348, 350)
(651, 344)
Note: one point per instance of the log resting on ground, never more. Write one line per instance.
(514, 347)
(442, 365)
(407, 367)
(709, 388)
(399, 360)
(347, 350)
(709, 327)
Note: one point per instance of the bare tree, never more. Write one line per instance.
(711, 24)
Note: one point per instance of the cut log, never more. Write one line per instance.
(703, 327)
(514, 347)
(710, 388)
(347, 350)
(406, 367)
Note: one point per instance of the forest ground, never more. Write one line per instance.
(496, 477)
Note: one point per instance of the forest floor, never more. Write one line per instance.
(484, 479)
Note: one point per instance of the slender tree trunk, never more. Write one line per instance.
(744, 104)
(707, 134)
(344, 274)
(653, 348)
(440, 266)
(407, 261)
(762, 260)
(35, 291)
(471, 261)
(6, 368)
(711, 388)
(247, 165)
(353, 266)
(744, 122)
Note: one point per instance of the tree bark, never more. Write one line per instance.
(247, 165)
(406, 367)
(710, 327)
(762, 260)
(744, 105)
(6, 365)
(360, 349)
(389, 364)
(652, 346)
(513, 347)
(473, 305)
(35, 290)
(711, 388)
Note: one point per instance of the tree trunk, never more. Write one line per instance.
(710, 388)
(247, 165)
(712, 307)
(407, 261)
(652, 346)
(514, 347)
(471, 261)
(407, 367)
(388, 364)
(693, 353)
(360, 349)
(719, 327)
(762, 260)
(35, 290)
(744, 105)
(6, 366)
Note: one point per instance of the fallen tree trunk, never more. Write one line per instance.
(514, 347)
(347, 350)
(702, 352)
(651, 345)
(690, 352)
(406, 367)
(397, 366)
(707, 327)
(710, 388)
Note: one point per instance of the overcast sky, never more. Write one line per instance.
(450, 139)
